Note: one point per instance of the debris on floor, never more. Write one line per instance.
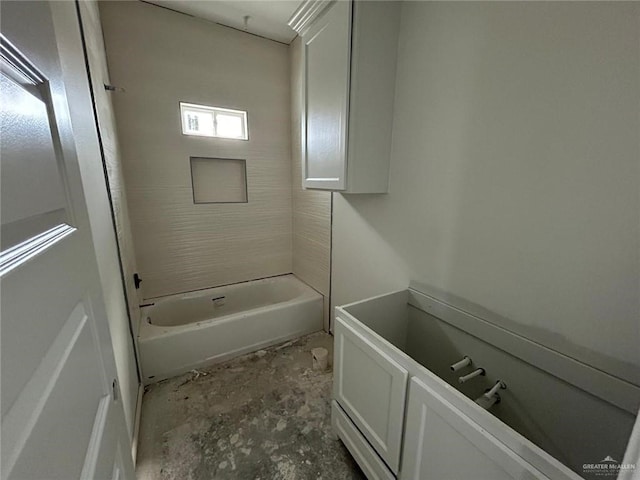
(263, 416)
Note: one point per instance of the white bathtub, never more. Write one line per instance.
(179, 333)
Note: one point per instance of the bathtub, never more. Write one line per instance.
(179, 333)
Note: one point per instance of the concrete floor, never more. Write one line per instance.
(263, 416)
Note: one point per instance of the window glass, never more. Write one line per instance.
(207, 121)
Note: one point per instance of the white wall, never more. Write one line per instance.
(161, 58)
(311, 208)
(515, 174)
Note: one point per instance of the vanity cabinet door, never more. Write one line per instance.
(326, 58)
(442, 442)
(371, 387)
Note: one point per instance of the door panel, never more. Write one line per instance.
(65, 387)
(442, 442)
(28, 302)
(28, 133)
(370, 387)
(104, 458)
(57, 359)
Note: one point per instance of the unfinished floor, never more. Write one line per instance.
(262, 416)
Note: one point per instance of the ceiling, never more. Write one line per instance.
(267, 18)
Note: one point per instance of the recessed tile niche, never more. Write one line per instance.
(219, 180)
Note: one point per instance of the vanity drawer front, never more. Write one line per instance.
(371, 387)
(367, 458)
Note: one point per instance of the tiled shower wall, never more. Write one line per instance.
(160, 58)
(311, 208)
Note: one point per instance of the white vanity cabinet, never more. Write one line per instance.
(443, 442)
(348, 86)
(400, 420)
(370, 386)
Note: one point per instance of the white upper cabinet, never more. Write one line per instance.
(349, 67)
(326, 88)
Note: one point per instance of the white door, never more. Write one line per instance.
(326, 56)
(62, 417)
(441, 442)
(370, 387)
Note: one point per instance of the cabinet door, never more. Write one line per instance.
(370, 387)
(442, 442)
(326, 59)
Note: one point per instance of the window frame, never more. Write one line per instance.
(213, 111)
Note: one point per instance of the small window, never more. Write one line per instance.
(206, 121)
